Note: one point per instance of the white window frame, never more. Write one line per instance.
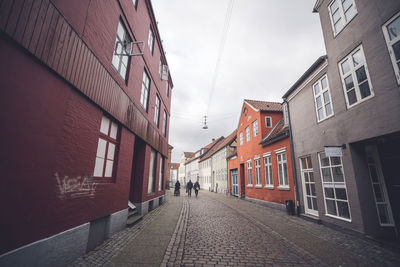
(269, 181)
(352, 72)
(241, 138)
(255, 128)
(390, 44)
(165, 123)
(150, 41)
(266, 122)
(321, 95)
(247, 130)
(283, 177)
(257, 171)
(306, 172)
(144, 96)
(334, 185)
(119, 61)
(249, 174)
(157, 111)
(341, 11)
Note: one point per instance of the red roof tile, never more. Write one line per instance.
(264, 105)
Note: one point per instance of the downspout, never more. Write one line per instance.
(296, 190)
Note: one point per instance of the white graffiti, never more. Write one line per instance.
(81, 186)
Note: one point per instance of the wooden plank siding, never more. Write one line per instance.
(40, 28)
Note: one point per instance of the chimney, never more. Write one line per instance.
(213, 139)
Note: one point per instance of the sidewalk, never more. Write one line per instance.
(144, 244)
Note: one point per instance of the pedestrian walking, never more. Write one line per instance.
(196, 188)
(177, 188)
(189, 187)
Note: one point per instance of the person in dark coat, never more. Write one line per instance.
(177, 188)
(196, 188)
(189, 187)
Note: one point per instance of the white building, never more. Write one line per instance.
(182, 168)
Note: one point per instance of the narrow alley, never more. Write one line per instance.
(215, 230)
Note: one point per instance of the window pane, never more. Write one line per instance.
(334, 6)
(394, 29)
(280, 174)
(316, 89)
(324, 83)
(308, 190)
(336, 161)
(378, 193)
(114, 130)
(348, 81)
(105, 123)
(285, 174)
(383, 213)
(115, 61)
(98, 167)
(311, 176)
(111, 151)
(374, 175)
(361, 74)
(365, 90)
(303, 163)
(320, 114)
(309, 202)
(396, 49)
(326, 175)
(315, 205)
(341, 193)
(329, 193)
(346, 4)
(122, 71)
(358, 58)
(101, 148)
(339, 25)
(351, 95)
(343, 209)
(328, 109)
(306, 179)
(324, 160)
(319, 102)
(345, 66)
(309, 163)
(109, 167)
(331, 207)
(336, 16)
(350, 13)
(337, 174)
(283, 156)
(313, 189)
(120, 31)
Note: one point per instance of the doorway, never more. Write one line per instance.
(308, 182)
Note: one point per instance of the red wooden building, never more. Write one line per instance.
(86, 126)
(260, 169)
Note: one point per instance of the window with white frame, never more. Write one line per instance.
(145, 90)
(285, 114)
(241, 138)
(249, 173)
(247, 130)
(282, 169)
(255, 128)
(355, 78)
(161, 175)
(268, 122)
(268, 171)
(120, 59)
(341, 12)
(152, 172)
(322, 98)
(165, 123)
(257, 171)
(157, 111)
(150, 41)
(391, 30)
(107, 147)
(334, 187)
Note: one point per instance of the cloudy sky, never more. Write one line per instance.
(265, 48)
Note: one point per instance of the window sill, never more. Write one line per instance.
(269, 187)
(258, 186)
(285, 188)
(249, 185)
(324, 119)
(337, 217)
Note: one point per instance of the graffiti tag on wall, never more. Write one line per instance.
(81, 186)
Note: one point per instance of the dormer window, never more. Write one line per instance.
(285, 114)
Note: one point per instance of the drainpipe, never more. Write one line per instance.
(296, 196)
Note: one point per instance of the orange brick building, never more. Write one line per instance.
(261, 168)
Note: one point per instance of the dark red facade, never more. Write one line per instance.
(57, 82)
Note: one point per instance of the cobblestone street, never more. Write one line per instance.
(215, 230)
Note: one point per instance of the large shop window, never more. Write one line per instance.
(152, 172)
(119, 60)
(355, 78)
(391, 30)
(334, 185)
(107, 148)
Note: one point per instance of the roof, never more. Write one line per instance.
(232, 154)
(174, 166)
(227, 141)
(189, 154)
(209, 146)
(264, 105)
(303, 77)
(277, 133)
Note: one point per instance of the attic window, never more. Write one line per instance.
(245, 111)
